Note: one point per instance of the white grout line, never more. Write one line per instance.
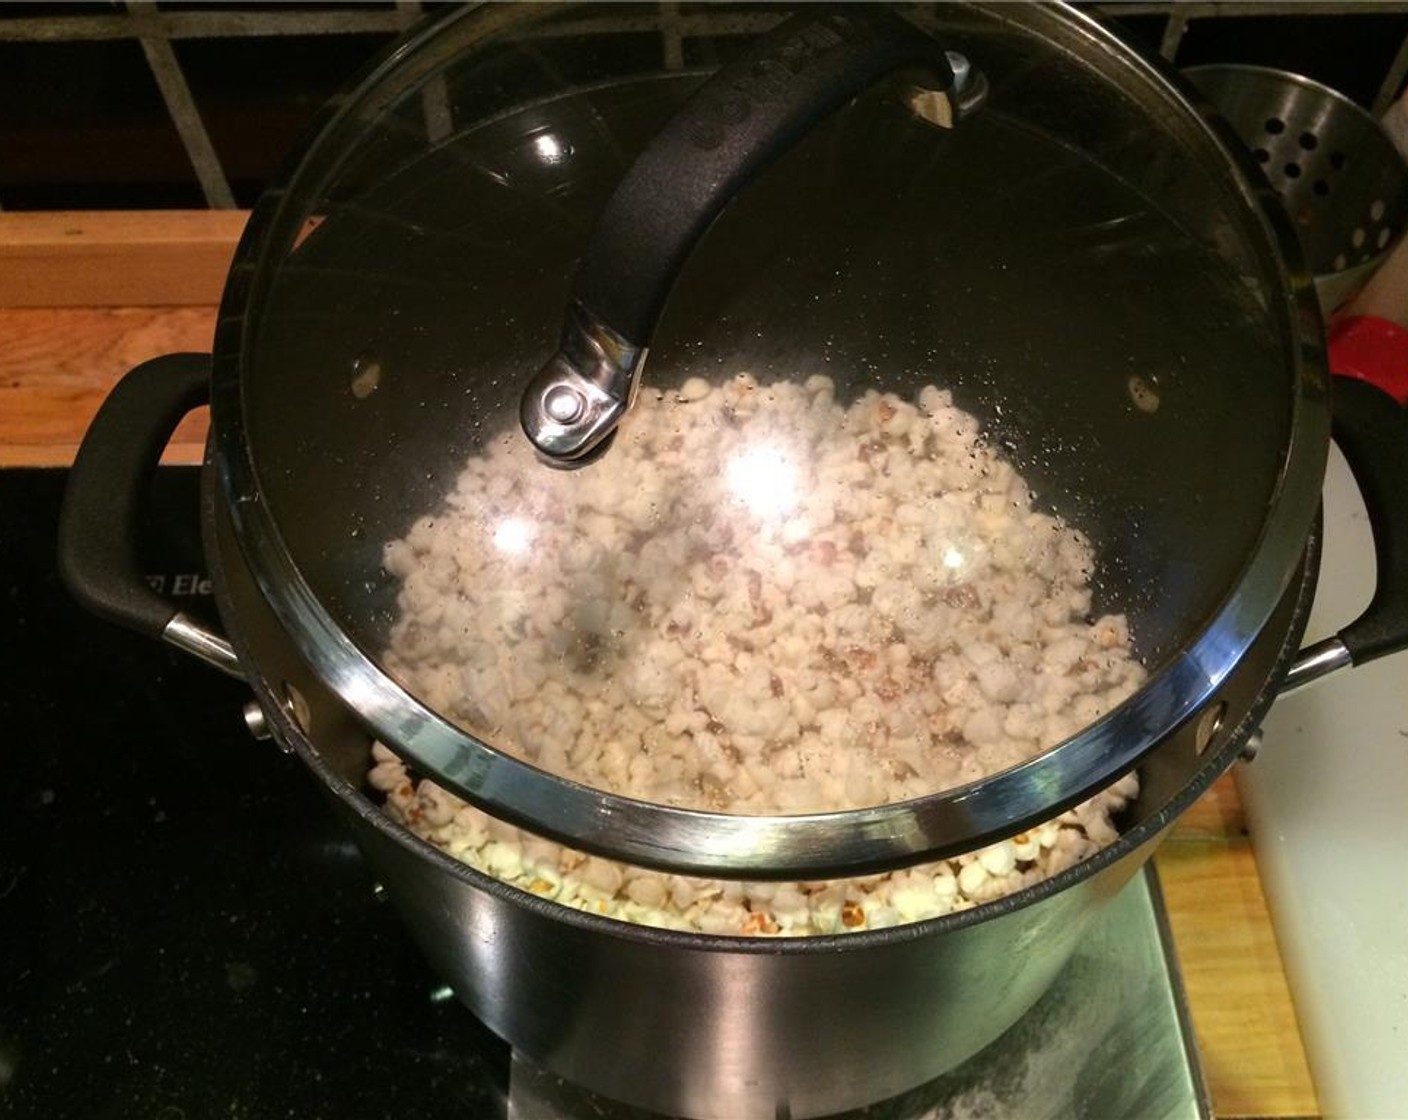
(238, 24)
(436, 111)
(1393, 81)
(155, 29)
(673, 36)
(205, 25)
(1174, 31)
(166, 69)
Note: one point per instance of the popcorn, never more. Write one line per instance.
(859, 605)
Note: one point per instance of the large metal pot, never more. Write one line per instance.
(726, 1027)
(407, 279)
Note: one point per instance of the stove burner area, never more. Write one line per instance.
(186, 932)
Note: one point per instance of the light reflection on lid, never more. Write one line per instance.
(765, 480)
(513, 535)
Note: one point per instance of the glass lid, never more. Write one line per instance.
(913, 529)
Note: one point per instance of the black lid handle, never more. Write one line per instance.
(739, 121)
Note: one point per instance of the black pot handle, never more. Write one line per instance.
(97, 550)
(741, 119)
(1371, 429)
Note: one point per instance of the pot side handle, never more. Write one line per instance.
(1371, 429)
(97, 546)
(738, 122)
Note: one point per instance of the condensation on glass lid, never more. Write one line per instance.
(848, 604)
(762, 600)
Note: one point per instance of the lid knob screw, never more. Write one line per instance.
(564, 404)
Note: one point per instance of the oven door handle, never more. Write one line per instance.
(98, 556)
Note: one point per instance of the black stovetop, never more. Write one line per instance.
(184, 930)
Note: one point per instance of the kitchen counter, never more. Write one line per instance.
(84, 297)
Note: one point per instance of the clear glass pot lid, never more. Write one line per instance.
(917, 529)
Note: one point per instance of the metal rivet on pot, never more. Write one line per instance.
(564, 404)
(443, 994)
(379, 892)
(297, 708)
(1252, 747)
(255, 721)
(1209, 724)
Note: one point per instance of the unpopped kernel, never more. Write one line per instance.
(860, 605)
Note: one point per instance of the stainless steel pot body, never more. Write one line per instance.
(725, 1028)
